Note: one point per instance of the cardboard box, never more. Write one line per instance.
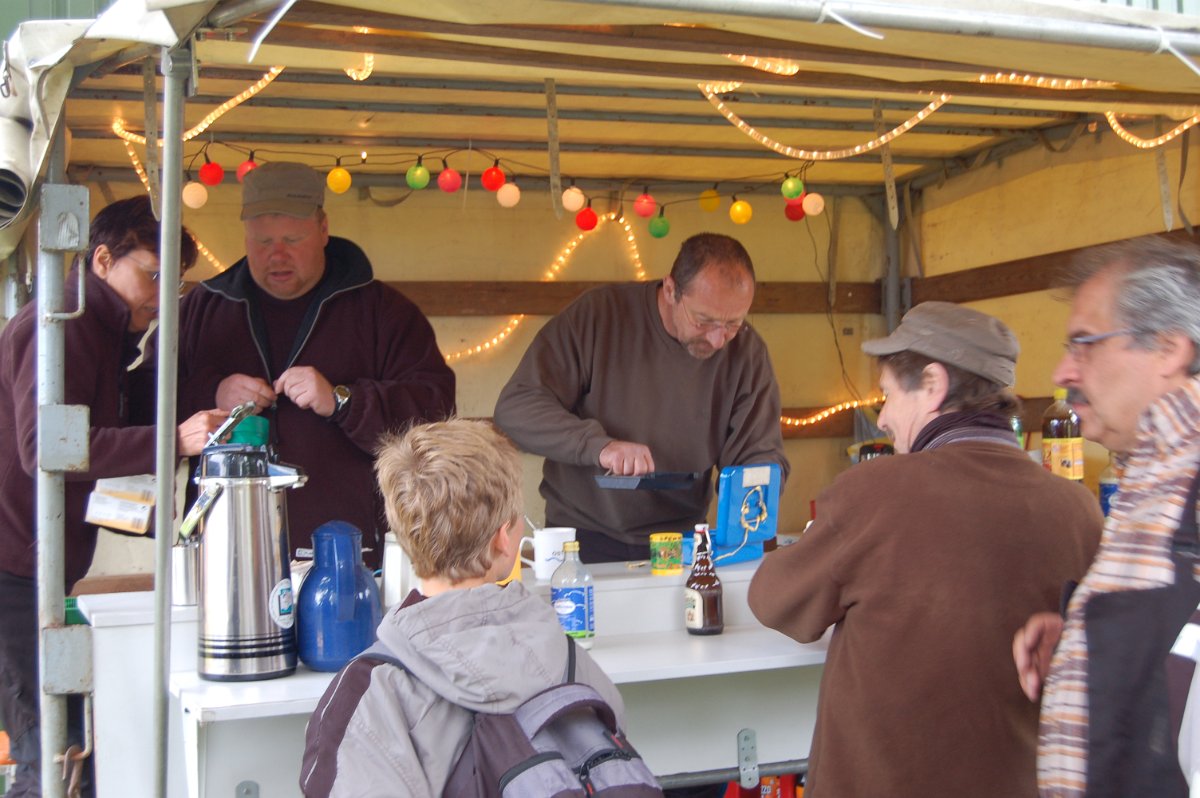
(125, 504)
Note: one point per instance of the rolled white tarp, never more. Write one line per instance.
(37, 66)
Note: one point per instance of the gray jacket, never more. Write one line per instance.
(383, 731)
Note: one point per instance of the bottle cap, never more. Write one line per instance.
(571, 545)
(1060, 394)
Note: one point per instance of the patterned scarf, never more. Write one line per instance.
(965, 425)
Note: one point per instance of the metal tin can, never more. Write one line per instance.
(666, 553)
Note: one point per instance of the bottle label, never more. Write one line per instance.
(575, 610)
(693, 609)
(280, 604)
(1108, 489)
(1064, 457)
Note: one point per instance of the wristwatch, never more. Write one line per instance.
(341, 398)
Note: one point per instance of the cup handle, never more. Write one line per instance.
(521, 549)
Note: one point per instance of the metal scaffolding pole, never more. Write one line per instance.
(50, 482)
(176, 68)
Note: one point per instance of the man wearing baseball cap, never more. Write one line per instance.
(329, 355)
(927, 564)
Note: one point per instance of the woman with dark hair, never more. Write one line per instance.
(121, 301)
(926, 564)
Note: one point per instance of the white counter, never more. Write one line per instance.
(686, 696)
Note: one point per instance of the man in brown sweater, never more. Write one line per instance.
(630, 379)
(926, 564)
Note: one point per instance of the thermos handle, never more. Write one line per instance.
(204, 503)
(344, 576)
(235, 417)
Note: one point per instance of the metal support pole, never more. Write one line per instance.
(891, 276)
(50, 484)
(176, 68)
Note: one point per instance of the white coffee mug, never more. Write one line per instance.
(547, 549)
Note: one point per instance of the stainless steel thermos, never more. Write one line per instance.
(247, 621)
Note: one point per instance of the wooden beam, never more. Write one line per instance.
(506, 298)
(1038, 273)
(651, 39)
(643, 37)
(414, 46)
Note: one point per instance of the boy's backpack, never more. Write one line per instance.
(561, 743)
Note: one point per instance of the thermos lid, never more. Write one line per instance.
(251, 430)
(232, 460)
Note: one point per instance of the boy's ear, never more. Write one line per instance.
(502, 541)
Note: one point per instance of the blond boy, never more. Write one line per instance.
(452, 494)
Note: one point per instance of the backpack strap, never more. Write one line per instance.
(380, 652)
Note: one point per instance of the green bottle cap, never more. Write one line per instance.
(251, 431)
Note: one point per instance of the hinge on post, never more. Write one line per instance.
(747, 758)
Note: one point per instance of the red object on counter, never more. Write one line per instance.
(768, 787)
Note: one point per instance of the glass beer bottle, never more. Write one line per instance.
(1062, 442)
(703, 614)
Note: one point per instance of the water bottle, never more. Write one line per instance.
(1108, 486)
(572, 596)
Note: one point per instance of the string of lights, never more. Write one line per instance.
(1147, 144)
(118, 124)
(777, 66)
(1044, 81)
(553, 272)
(712, 90)
(818, 417)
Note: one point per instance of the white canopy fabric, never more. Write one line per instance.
(461, 75)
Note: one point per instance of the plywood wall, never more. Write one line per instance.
(1038, 202)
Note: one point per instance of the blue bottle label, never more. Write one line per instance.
(1107, 491)
(575, 610)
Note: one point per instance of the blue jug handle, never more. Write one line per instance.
(344, 574)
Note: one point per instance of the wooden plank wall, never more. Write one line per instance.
(503, 298)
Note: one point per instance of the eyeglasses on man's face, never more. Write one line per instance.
(152, 272)
(1080, 346)
(705, 324)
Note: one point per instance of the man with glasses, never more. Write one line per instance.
(120, 301)
(645, 377)
(1109, 713)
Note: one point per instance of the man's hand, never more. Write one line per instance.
(626, 459)
(192, 434)
(308, 388)
(238, 389)
(1033, 647)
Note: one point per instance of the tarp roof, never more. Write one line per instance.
(461, 75)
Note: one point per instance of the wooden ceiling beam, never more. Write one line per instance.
(287, 34)
(666, 38)
(536, 298)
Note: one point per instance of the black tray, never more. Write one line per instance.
(659, 480)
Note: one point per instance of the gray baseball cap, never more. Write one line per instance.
(292, 189)
(957, 336)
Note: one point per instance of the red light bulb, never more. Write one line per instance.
(211, 173)
(492, 178)
(586, 219)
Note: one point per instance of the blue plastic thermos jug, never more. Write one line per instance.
(338, 608)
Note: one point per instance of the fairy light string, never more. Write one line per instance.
(1147, 144)
(822, 415)
(553, 272)
(712, 90)
(118, 124)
